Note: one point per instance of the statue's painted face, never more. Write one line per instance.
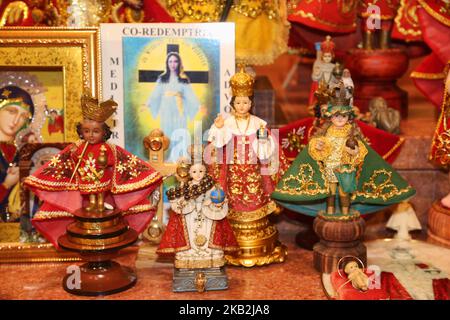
(350, 267)
(242, 105)
(12, 118)
(327, 57)
(346, 73)
(92, 131)
(339, 120)
(197, 172)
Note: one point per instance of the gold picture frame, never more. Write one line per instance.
(74, 51)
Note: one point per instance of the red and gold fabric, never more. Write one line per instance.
(440, 145)
(246, 180)
(176, 237)
(434, 18)
(389, 288)
(296, 135)
(127, 181)
(406, 23)
(334, 16)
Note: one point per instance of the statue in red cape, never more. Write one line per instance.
(92, 174)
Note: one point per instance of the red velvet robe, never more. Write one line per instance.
(127, 181)
(435, 26)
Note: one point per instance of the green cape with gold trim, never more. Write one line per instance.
(303, 187)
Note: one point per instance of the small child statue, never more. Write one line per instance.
(198, 231)
(92, 174)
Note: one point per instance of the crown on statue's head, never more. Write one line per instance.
(242, 83)
(339, 103)
(93, 110)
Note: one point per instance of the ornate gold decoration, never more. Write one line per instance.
(310, 16)
(304, 183)
(195, 10)
(427, 76)
(354, 215)
(434, 14)
(252, 215)
(73, 51)
(46, 252)
(278, 255)
(92, 109)
(409, 14)
(242, 83)
(257, 238)
(293, 140)
(383, 189)
(253, 9)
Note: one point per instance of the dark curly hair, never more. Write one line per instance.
(105, 127)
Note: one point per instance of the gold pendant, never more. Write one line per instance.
(200, 240)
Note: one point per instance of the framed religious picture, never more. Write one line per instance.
(166, 76)
(172, 77)
(43, 72)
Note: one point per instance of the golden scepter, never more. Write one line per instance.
(79, 161)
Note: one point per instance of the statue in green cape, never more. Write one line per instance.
(338, 170)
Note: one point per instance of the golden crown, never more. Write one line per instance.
(242, 83)
(93, 110)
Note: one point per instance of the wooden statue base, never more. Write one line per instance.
(258, 241)
(199, 280)
(375, 74)
(97, 237)
(439, 225)
(100, 278)
(339, 236)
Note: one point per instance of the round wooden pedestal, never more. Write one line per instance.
(376, 72)
(98, 237)
(339, 237)
(439, 224)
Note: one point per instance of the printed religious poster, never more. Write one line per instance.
(170, 76)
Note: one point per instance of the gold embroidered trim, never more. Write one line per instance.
(384, 189)
(354, 215)
(44, 215)
(395, 147)
(306, 184)
(310, 16)
(252, 215)
(434, 14)
(403, 7)
(131, 186)
(50, 185)
(427, 76)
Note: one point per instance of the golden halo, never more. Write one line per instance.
(348, 259)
